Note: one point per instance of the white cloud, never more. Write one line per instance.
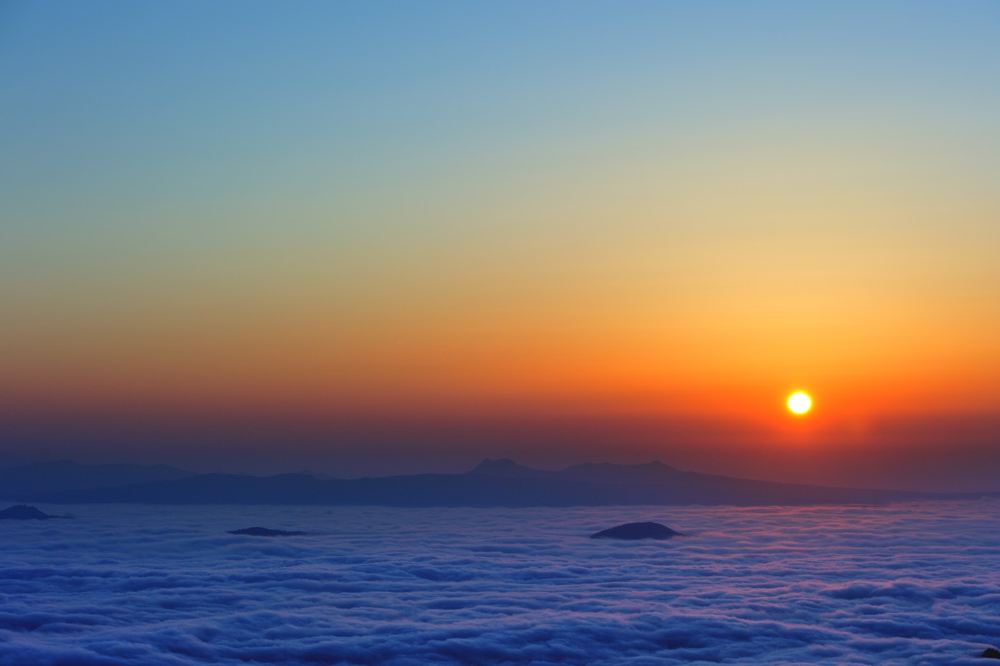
(141, 584)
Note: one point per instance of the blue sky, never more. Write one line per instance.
(684, 208)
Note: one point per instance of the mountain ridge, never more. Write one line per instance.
(31, 479)
(492, 482)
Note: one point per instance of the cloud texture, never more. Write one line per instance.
(907, 584)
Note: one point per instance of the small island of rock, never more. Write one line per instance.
(264, 532)
(25, 512)
(632, 531)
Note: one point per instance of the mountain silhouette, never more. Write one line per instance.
(264, 532)
(26, 481)
(503, 467)
(635, 531)
(490, 483)
(25, 512)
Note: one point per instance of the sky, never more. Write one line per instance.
(370, 237)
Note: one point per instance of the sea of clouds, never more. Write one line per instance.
(124, 584)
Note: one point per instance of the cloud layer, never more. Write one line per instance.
(125, 584)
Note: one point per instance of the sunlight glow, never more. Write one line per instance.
(799, 403)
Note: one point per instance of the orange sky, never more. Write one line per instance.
(664, 215)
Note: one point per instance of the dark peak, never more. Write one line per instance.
(634, 531)
(294, 476)
(24, 512)
(265, 532)
(500, 467)
(652, 466)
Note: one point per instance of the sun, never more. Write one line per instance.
(799, 403)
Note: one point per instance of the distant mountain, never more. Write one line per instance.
(26, 481)
(636, 531)
(504, 467)
(25, 512)
(491, 483)
(265, 532)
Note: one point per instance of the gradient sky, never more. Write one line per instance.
(370, 236)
